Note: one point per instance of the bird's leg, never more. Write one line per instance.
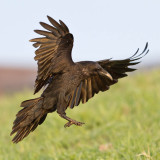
(70, 121)
(61, 111)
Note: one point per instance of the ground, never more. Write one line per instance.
(121, 124)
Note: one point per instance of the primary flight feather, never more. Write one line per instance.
(69, 83)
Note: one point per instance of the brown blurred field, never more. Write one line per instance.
(16, 79)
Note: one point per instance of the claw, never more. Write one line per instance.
(68, 124)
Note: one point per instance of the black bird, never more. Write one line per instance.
(69, 83)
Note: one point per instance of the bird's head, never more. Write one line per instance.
(94, 69)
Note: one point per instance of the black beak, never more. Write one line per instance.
(105, 73)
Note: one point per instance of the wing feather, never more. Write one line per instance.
(78, 94)
(51, 56)
(84, 91)
(45, 33)
(118, 68)
(50, 28)
(89, 88)
(57, 25)
(64, 26)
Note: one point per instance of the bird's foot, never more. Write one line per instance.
(68, 124)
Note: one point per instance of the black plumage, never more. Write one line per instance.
(69, 83)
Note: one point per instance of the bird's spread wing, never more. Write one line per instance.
(51, 55)
(92, 85)
(118, 68)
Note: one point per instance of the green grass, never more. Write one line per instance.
(121, 124)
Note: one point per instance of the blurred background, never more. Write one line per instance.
(124, 123)
(105, 29)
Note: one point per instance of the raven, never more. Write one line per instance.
(68, 83)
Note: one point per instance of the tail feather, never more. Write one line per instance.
(30, 102)
(28, 118)
(42, 119)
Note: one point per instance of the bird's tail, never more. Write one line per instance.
(28, 118)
